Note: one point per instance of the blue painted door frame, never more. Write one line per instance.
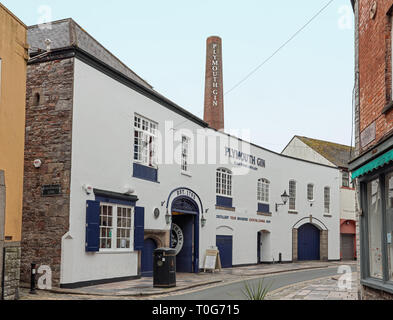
(190, 210)
(147, 257)
(308, 243)
(225, 246)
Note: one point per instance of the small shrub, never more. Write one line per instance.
(256, 291)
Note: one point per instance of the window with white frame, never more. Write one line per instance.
(345, 179)
(185, 154)
(224, 182)
(145, 136)
(292, 195)
(263, 190)
(116, 227)
(327, 200)
(310, 192)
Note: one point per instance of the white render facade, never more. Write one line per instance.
(124, 179)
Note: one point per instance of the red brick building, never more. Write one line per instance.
(372, 166)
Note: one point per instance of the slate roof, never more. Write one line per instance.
(337, 154)
(67, 33)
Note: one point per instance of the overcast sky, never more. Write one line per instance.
(306, 89)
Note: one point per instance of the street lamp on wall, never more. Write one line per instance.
(284, 198)
(168, 218)
(203, 221)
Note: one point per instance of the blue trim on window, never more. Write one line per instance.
(145, 172)
(139, 228)
(263, 207)
(224, 202)
(92, 226)
(116, 201)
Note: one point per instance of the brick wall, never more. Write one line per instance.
(48, 138)
(375, 76)
(214, 87)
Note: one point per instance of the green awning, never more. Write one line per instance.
(374, 164)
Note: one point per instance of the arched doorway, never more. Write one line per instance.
(185, 234)
(308, 243)
(147, 257)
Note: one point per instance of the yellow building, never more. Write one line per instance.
(13, 59)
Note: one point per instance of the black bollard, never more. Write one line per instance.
(32, 278)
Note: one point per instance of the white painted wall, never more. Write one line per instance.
(102, 156)
(347, 204)
(298, 149)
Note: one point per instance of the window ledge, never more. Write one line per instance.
(110, 251)
(388, 107)
(266, 214)
(348, 188)
(293, 212)
(377, 284)
(225, 208)
(147, 180)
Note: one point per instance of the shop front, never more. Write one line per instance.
(374, 173)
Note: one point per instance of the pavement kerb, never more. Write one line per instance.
(137, 294)
(177, 289)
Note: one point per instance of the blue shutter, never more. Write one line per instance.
(139, 228)
(92, 226)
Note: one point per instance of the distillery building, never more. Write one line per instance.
(113, 170)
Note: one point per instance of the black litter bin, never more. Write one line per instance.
(164, 269)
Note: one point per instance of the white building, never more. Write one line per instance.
(337, 155)
(137, 159)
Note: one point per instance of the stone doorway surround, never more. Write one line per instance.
(161, 237)
(2, 220)
(324, 237)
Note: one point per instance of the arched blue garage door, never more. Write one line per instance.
(225, 246)
(308, 243)
(147, 257)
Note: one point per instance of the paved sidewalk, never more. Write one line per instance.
(144, 287)
(320, 289)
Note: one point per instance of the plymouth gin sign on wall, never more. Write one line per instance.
(244, 159)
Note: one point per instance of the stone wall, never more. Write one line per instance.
(324, 245)
(10, 253)
(2, 217)
(294, 245)
(11, 272)
(48, 138)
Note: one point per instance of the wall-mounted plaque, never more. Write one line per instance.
(51, 190)
(368, 135)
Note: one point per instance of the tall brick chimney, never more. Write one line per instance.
(214, 89)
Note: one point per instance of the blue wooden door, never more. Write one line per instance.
(308, 243)
(225, 246)
(147, 257)
(184, 260)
